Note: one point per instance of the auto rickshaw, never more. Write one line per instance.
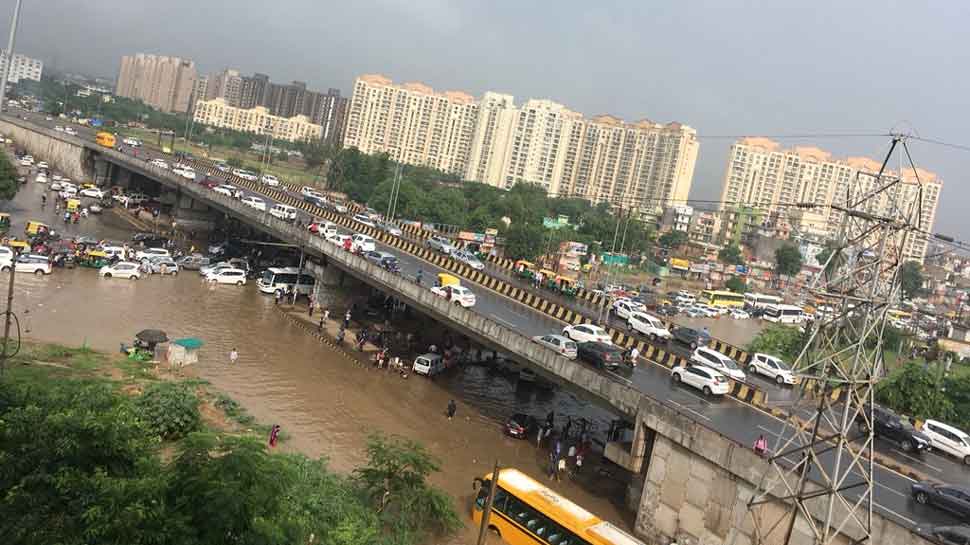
(525, 269)
(445, 279)
(4, 223)
(18, 245)
(73, 205)
(35, 228)
(565, 285)
(93, 259)
(88, 185)
(548, 279)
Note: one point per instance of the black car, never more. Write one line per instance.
(601, 355)
(691, 337)
(889, 426)
(946, 535)
(521, 425)
(950, 497)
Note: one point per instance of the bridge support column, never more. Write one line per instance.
(122, 177)
(102, 172)
(188, 213)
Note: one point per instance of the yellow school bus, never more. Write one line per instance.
(525, 512)
(718, 298)
(105, 139)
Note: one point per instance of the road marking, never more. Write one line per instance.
(888, 510)
(506, 322)
(918, 461)
(688, 409)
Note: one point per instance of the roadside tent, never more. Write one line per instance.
(184, 351)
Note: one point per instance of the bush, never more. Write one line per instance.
(171, 410)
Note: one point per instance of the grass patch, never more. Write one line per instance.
(234, 411)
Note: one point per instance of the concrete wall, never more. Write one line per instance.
(62, 151)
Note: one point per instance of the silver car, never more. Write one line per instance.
(164, 265)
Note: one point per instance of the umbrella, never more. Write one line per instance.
(152, 336)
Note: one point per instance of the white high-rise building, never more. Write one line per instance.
(765, 181)
(641, 166)
(23, 67)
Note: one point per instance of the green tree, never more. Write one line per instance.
(788, 260)
(170, 409)
(234, 162)
(8, 178)
(915, 391)
(395, 481)
(672, 239)
(731, 255)
(911, 279)
(736, 284)
(524, 241)
(77, 466)
(785, 342)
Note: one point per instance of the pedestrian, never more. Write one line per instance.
(309, 307)
(418, 277)
(347, 319)
(634, 356)
(340, 336)
(761, 446)
(579, 463)
(233, 356)
(274, 435)
(571, 453)
(320, 325)
(279, 296)
(560, 469)
(552, 466)
(551, 418)
(326, 315)
(452, 407)
(433, 348)
(539, 433)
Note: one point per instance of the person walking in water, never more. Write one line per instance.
(761, 446)
(233, 356)
(452, 408)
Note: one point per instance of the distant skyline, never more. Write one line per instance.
(727, 68)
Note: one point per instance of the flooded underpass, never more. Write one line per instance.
(326, 403)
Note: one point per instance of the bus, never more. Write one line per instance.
(719, 298)
(759, 300)
(281, 279)
(784, 314)
(525, 512)
(105, 139)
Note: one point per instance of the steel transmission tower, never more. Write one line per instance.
(821, 466)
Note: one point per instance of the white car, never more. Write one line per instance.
(648, 326)
(114, 251)
(6, 258)
(148, 253)
(340, 208)
(717, 361)
(460, 295)
(948, 439)
(227, 275)
(41, 178)
(337, 239)
(440, 244)
(222, 167)
(362, 243)
(56, 186)
(70, 131)
(59, 128)
(225, 189)
(254, 202)
(771, 367)
(186, 172)
(270, 180)
(308, 191)
(560, 344)
(624, 307)
(584, 333)
(283, 212)
(68, 192)
(93, 192)
(43, 165)
(704, 379)
(27, 160)
(364, 219)
(469, 259)
(159, 163)
(36, 264)
(133, 142)
(122, 269)
(739, 314)
(215, 267)
(390, 228)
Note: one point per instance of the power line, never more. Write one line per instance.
(941, 143)
(796, 136)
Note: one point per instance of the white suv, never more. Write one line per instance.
(717, 361)
(6, 258)
(270, 180)
(704, 379)
(771, 367)
(947, 439)
(36, 264)
(648, 326)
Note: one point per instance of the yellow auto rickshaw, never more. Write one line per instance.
(525, 269)
(88, 185)
(73, 205)
(35, 228)
(18, 245)
(445, 279)
(4, 223)
(94, 259)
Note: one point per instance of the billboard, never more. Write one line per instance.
(678, 263)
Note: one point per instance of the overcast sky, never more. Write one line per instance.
(724, 67)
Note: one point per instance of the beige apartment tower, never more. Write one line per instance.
(165, 83)
(218, 113)
(768, 181)
(642, 166)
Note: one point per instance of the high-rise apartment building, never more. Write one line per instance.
(226, 85)
(411, 123)
(254, 89)
(165, 83)
(763, 182)
(218, 113)
(641, 166)
(22, 67)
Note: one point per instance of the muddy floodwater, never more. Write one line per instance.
(325, 402)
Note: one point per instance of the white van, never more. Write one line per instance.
(429, 364)
(283, 212)
(784, 314)
(948, 439)
(648, 326)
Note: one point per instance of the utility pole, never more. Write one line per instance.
(487, 511)
(395, 191)
(9, 315)
(839, 367)
(10, 43)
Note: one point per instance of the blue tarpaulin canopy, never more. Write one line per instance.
(190, 343)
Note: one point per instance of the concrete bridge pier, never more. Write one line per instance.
(189, 213)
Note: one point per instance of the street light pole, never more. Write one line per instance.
(9, 314)
(10, 44)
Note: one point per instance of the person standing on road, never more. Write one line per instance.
(452, 408)
(233, 356)
(347, 319)
(634, 356)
